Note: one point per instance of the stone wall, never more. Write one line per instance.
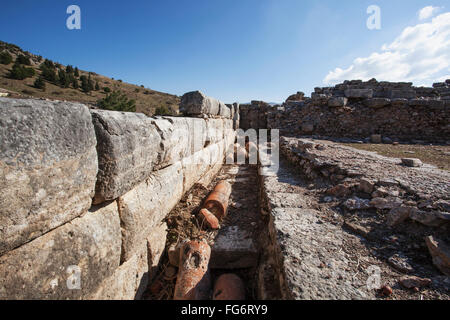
(357, 109)
(84, 194)
(254, 115)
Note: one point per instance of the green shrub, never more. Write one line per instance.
(5, 58)
(49, 73)
(23, 60)
(39, 83)
(117, 101)
(107, 89)
(162, 111)
(48, 63)
(20, 72)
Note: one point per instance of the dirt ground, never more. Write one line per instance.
(436, 155)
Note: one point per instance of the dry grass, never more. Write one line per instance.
(147, 100)
(436, 155)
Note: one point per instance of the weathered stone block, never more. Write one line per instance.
(128, 147)
(404, 94)
(224, 111)
(79, 254)
(377, 102)
(180, 137)
(233, 249)
(197, 104)
(359, 93)
(128, 282)
(412, 162)
(337, 102)
(320, 98)
(194, 167)
(156, 243)
(48, 167)
(440, 252)
(144, 207)
(214, 130)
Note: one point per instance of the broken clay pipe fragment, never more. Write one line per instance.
(229, 287)
(193, 280)
(208, 219)
(217, 201)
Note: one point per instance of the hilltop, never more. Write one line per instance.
(146, 100)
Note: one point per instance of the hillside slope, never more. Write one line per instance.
(147, 100)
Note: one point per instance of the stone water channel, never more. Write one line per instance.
(235, 247)
(286, 242)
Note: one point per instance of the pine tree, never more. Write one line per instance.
(90, 83)
(69, 69)
(77, 72)
(64, 79)
(85, 84)
(49, 74)
(49, 64)
(75, 84)
(20, 72)
(117, 101)
(39, 83)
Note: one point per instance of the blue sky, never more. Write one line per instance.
(234, 50)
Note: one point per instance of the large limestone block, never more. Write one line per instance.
(195, 103)
(128, 148)
(214, 130)
(48, 167)
(156, 243)
(224, 111)
(194, 167)
(66, 263)
(197, 133)
(175, 140)
(147, 205)
(217, 153)
(129, 280)
(181, 137)
(359, 93)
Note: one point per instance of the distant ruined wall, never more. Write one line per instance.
(357, 109)
(83, 194)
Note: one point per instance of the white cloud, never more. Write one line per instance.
(427, 12)
(421, 54)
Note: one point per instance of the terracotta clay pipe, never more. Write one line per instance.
(208, 219)
(229, 287)
(217, 201)
(193, 280)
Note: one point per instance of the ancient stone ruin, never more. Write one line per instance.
(111, 205)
